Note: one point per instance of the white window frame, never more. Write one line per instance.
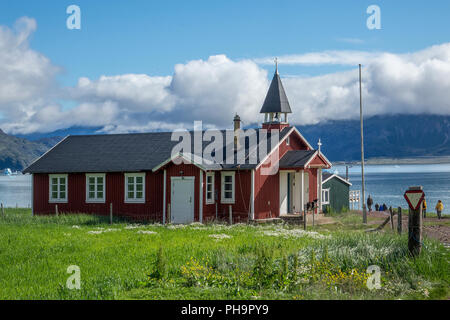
(233, 189)
(135, 175)
(288, 141)
(212, 200)
(96, 191)
(50, 195)
(323, 196)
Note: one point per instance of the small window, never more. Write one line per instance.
(210, 188)
(326, 196)
(135, 187)
(288, 141)
(227, 187)
(58, 188)
(95, 188)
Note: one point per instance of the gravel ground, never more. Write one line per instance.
(433, 227)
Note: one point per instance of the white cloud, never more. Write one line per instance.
(332, 57)
(25, 74)
(213, 90)
(135, 92)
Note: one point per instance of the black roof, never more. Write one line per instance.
(123, 153)
(296, 158)
(276, 99)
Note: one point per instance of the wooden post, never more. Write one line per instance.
(391, 212)
(56, 209)
(415, 229)
(217, 213)
(399, 220)
(3, 210)
(110, 213)
(169, 215)
(230, 214)
(304, 218)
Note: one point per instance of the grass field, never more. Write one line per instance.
(128, 261)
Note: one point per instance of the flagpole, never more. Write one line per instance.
(362, 149)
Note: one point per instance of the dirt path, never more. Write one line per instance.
(432, 227)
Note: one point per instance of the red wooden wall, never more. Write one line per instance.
(115, 194)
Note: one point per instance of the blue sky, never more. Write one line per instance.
(151, 37)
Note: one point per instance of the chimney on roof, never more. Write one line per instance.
(237, 128)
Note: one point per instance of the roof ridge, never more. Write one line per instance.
(155, 132)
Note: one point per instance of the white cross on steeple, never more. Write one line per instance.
(319, 144)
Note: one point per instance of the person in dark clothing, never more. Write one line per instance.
(377, 207)
(384, 207)
(424, 208)
(369, 203)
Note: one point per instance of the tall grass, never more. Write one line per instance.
(148, 261)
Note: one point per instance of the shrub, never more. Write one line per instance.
(160, 265)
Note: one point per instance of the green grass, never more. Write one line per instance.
(185, 262)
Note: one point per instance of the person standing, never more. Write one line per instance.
(369, 203)
(424, 208)
(439, 208)
(377, 207)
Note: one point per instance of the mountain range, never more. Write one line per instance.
(16, 153)
(387, 136)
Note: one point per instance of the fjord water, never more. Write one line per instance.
(388, 183)
(385, 183)
(15, 190)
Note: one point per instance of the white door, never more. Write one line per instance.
(283, 193)
(297, 192)
(306, 188)
(182, 200)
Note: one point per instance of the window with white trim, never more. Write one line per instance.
(210, 188)
(288, 141)
(325, 196)
(58, 188)
(228, 187)
(135, 187)
(95, 187)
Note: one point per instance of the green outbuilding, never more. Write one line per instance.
(335, 193)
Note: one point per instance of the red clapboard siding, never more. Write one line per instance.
(267, 195)
(115, 194)
(240, 208)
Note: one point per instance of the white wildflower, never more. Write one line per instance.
(219, 236)
(146, 232)
(102, 230)
(176, 226)
(95, 232)
(133, 226)
(294, 233)
(193, 224)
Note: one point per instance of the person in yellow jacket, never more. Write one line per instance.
(439, 208)
(424, 208)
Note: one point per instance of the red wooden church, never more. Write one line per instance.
(135, 175)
